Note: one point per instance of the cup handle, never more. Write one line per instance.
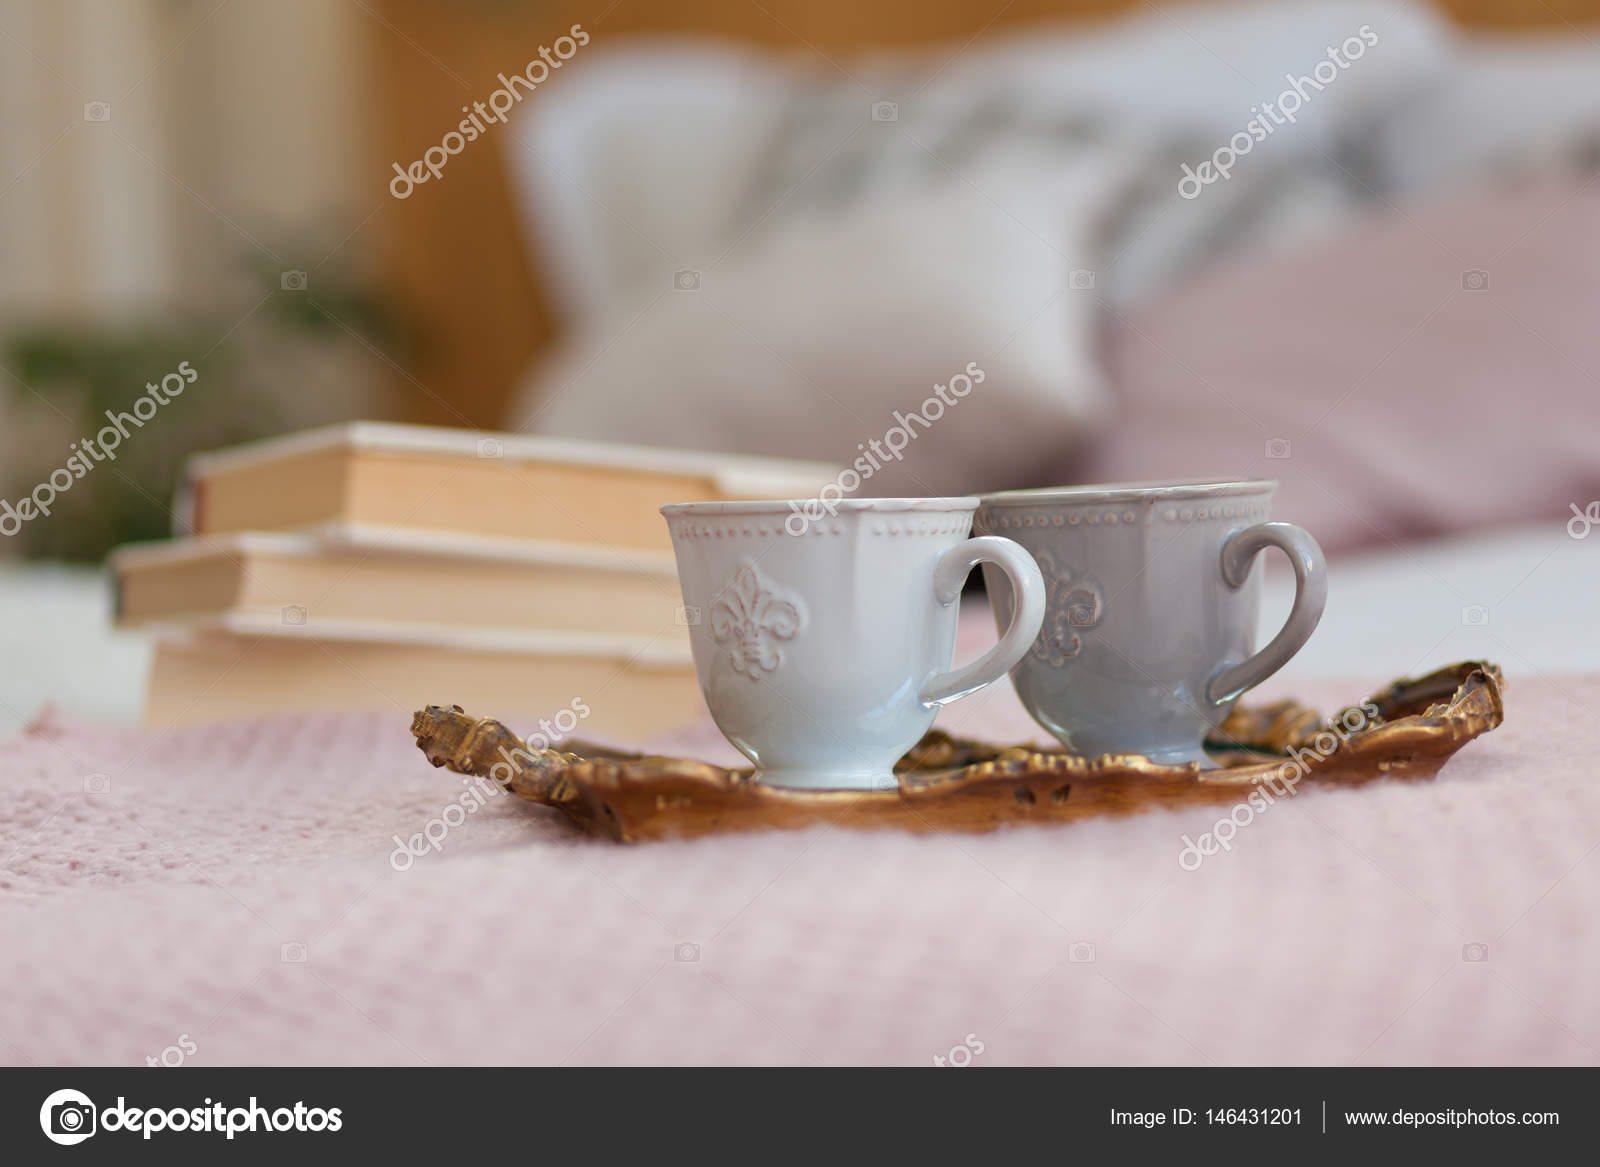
(1310, 597)
(1027, 592)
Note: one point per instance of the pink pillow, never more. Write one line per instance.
(1436, 369)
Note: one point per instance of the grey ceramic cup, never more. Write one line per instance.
(1152, 594)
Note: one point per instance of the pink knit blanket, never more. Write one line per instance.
(233, 895)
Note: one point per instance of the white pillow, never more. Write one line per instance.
(639, 155)
(1510, 106)
(761, 264)
(812, 338)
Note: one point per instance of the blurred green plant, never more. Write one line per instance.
(258, 374)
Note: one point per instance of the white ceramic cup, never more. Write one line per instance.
(824, 649)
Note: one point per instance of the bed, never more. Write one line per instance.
(248, 888)
(238, 885)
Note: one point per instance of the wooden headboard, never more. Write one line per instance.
(453, 256)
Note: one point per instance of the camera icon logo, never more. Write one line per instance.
(885, 111)
(293, 952)
(1081, 953)
(97, 784)
(293, 280)
(686, 953)
(294, 616)
(686, 280)
(1279, 449)
(1475, 953)
(67, 1117)
(1476, 280)
(688, 616)
(1475, 616)
(491, 448)
(1082, 279)
(97, 111)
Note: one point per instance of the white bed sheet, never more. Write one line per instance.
(1410, 608)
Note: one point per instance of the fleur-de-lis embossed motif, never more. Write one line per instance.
(1072, 606)
(750, 616)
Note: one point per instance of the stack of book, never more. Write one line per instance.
(382, 566)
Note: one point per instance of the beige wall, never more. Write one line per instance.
(234, 128)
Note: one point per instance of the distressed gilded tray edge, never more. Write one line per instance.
(1423, 722)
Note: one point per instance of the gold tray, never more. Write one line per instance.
(952, 784)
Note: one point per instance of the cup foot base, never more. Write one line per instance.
(1182, 756)
(826, 780)
(1170, 756)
